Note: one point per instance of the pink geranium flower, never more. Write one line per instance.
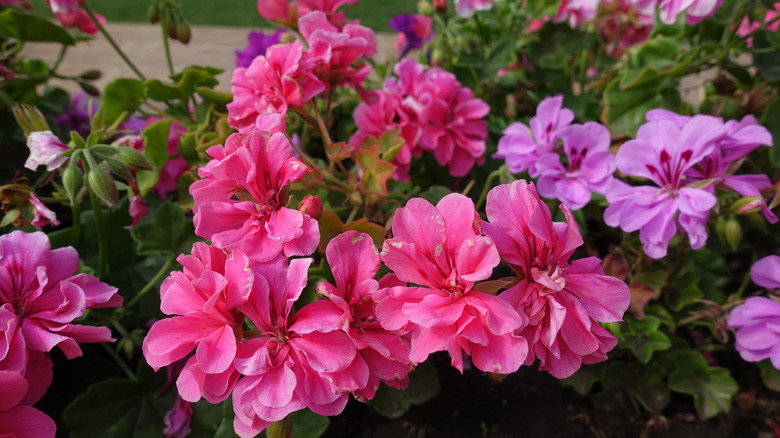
(749, 26)
(42, 215)
(589, 166)
(293, 360)
(521, 147)
(41, 295)
(562, 300)
(442, 250)
(664, 152)
(16, 418)
(203, 299)
(466, 8)
(354, 262)
(577, 12)
(282, 78)
(70, 14)
(45, 150)
(242, 200)
(695, 10)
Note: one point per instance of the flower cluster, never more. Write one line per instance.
(70, 14)
(40, 297)
(433, 112)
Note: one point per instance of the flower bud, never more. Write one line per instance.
(153, 13)
(747, 205)
(424, 7)
(30, 119)
(440, 6)
(45, 150)
(72, 180)
(118, 168)
(183, 32)
(437, 58)
(312, 206)
(134, 158)
(732, 231)
(91, 75)
(102, 186)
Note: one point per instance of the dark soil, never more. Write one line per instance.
(533, 404)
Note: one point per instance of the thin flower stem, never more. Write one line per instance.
(111, 41)
(488, 184)
(167, 48)
(321, 124)
(119, 361)
(97, 210)
(353, 213)
(60, 57)
(152, 283)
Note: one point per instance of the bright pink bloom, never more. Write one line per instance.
(45, 150)
(663, 152)
(138, 209)
(335, 53)
(16, 419)
(589, 166)
(521, 147)
(278, 10)
(40, 296)
(561, 300)
(288, 11)
(327, 6)
(242, 200)
(43, 216)
(757, 322)
(577, 12)
(695, 10)
(272, 83)
(70, 14)
(625, 24)
(354, 262)
(294, 359)
(748, 26)
(466, 8)
(442, 250)
(178, 419)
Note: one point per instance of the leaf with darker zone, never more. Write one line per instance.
(625, 109)
(643, 338)
(166, 232)
(331, 226)
(376, 172)
(122, 96)
(645, 384)
(156, 142)
(27, 27)
(653, 59)
(711, 387)
(423, 386)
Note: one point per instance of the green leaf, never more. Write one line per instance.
(423, 386)
(122, 96)
(711, 387)
(156, 142)
(770, 375)
(771, 120)
(683, 291)
(768, 64)
(195, 76)
(642, 337)
(583, 380)
(214, 96)
(625, 109)
(156, 89)
(307, 424)
(651, 60)
(645, 384)
(166, 232)
(27, 27)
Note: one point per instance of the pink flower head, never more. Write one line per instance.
(442, 250)
(589, 166)
(178, 420)
(70, 14)
(454, 126)
(242, 200)
(18, 420)
(295, 359)
(695, 10)
(335, 53)
(766, 272)
(577, 12)
(354, 262)
(561, 300)
(272, 83)
(42, 215)
(41, 295)
(202, 298)
(466, 8)
(757, 322)
(287, 12)
(45, 150)
(663, 152)
(749, 26)
(625, 24)
(521, 147)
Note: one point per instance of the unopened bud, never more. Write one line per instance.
(747, 205)
(89, 89)
(170, 27)
(30, 119)
(287, 38)
(153, 13)
(424, 7)
(91, 75)
(102, 186)
(72, 180)
(440, 6)
(437, 58)
(312, 206)
(118, 168)
(280, 429)
(183, 32)
(134, 158)
(733, 233)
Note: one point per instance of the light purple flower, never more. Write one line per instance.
(589, 166)
(466, 8)
(43, 216)
(758, 329)
(766, 272)
(663, 152)
(258, 43)
(45, 150)
(521, 147)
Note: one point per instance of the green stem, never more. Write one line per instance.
(167, 49)
(488, 184)
(119, 361)
(97, 210)
(60, 57)
(151, 284)
(111, 41)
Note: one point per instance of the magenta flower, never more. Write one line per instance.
(695, 10)
(442, 250)
(41, 295)
(663, 152)
(258, 43)
(272, 83)
(589, 166)
(354, 262)
(294, 359)
(766, 272)
(203, 299)
(45, 150)
(577, 12)
(521, 147)
(42, 215)
(415, 30)
(16, 418)
(178, 420)
(70, 14)
(748, 26)
(561, 300)
(466, 8)
(757, 322)
(242, 200)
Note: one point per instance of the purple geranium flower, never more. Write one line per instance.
(589, 167)
(521, 147)
(415, 31)
(663, 152)
(258, 43)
